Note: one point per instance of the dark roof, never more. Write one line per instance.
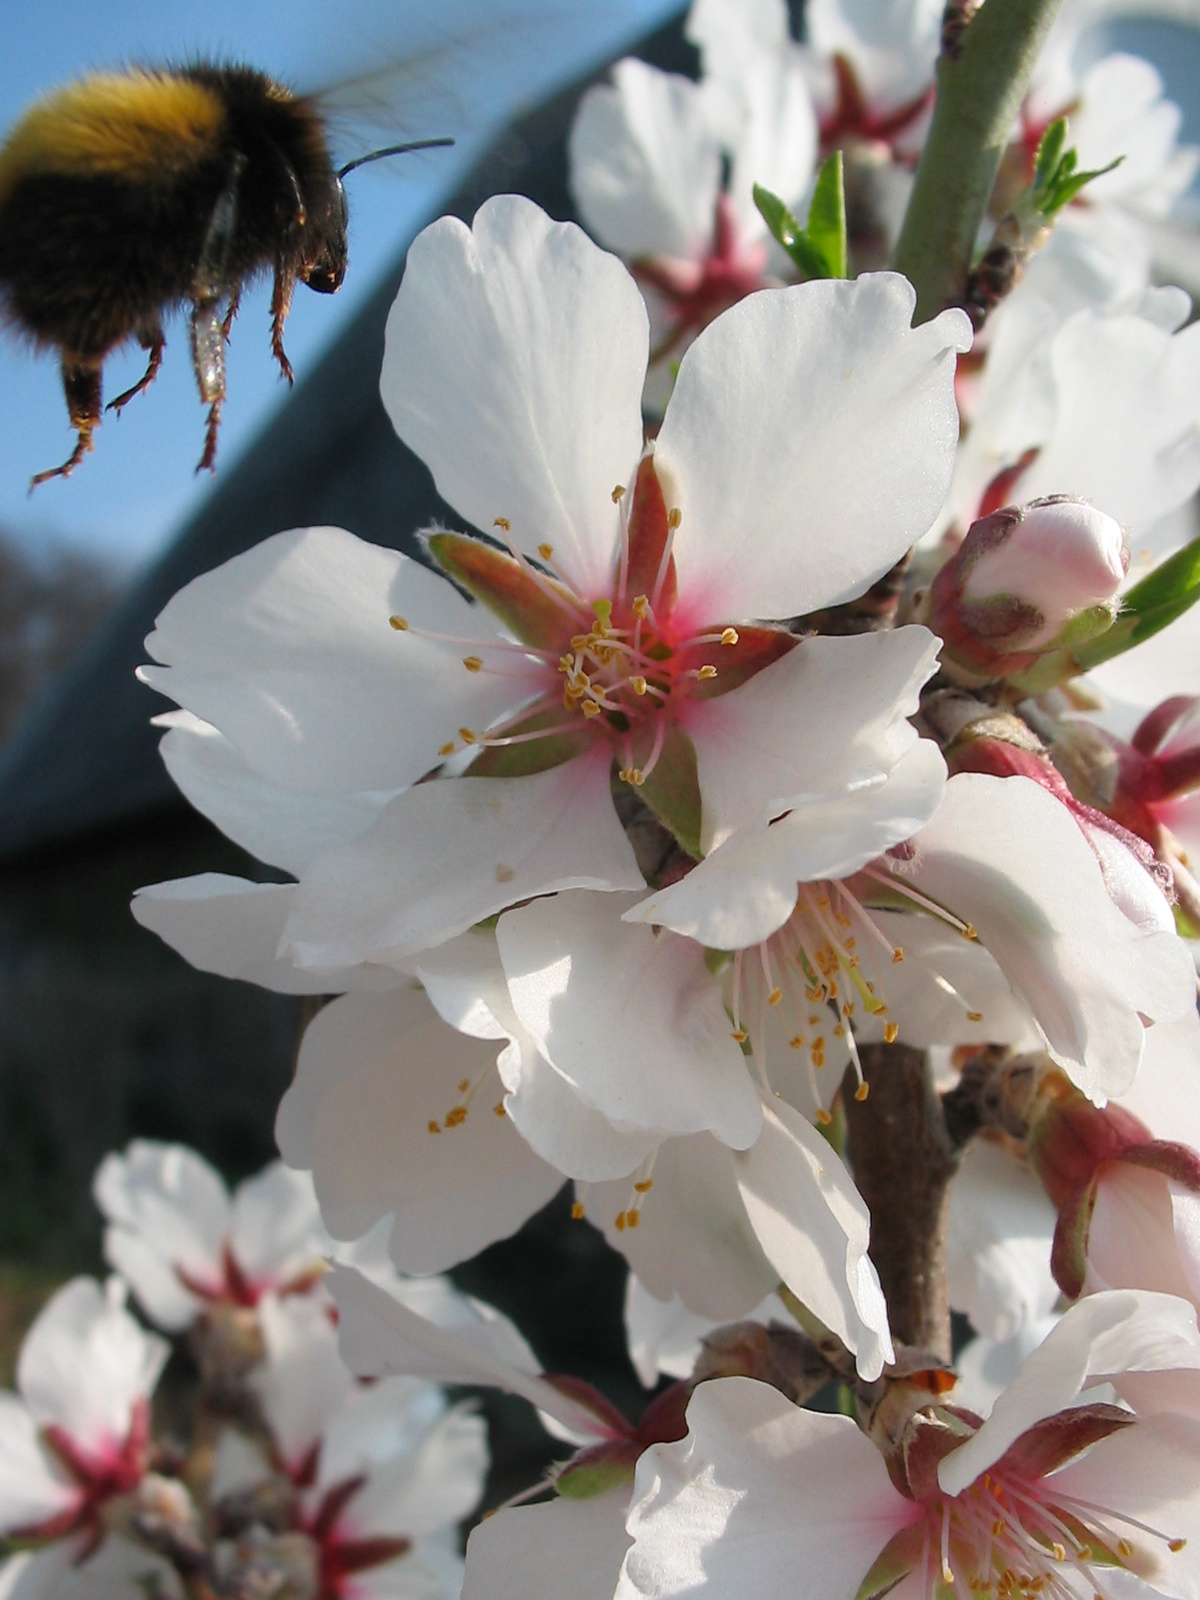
(87, 760)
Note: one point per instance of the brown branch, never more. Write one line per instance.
(903, 1159)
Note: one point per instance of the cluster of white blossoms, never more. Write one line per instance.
(769, 819)
(294, 1478)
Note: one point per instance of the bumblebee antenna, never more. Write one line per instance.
(393, 150)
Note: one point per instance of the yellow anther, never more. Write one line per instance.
(851, 942)
(399, 623)
(464, 1086)
(1060, 1552)
(590, 708)
(638, 684)
(503, 522)
(498, 1108)
(812, 1021)
(466, 736)
(577, 1210)
(947, 1572)
(640, 606)
(456, 1116)
(897, 956)
(473, 663)
(504, 873)
(891, 1032)
(580, 641)
(1176, 1545)
(447, 749)
(834, 991)
(1124, 1548)
(645, 1186)
(545, 551)
(674, 517)
(847, 1008)
(707, 671)
(435, 1127)
(729, 636)
(775, 996)
(974, 1016)
(839, 1032)
(618, 492)
(796, 1042)
(633, 1218)
(998, 1527)
(815, 994)
(739, 1035)
(619, 1224)
(861, 1093)
(823, 1117)
(969, 932)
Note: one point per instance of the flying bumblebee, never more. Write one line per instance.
(128, 194)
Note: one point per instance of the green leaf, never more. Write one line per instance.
(827, 217)
(1055, 180)
(818, 249)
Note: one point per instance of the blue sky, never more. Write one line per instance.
(133, 490)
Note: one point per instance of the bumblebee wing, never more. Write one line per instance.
(436, 84)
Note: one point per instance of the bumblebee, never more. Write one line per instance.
(128, 194)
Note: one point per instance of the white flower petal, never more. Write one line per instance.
(634, 1020)
(86, 1363)
(799, 492)
(998, 1251)
(450, 853)
(814, 1228)
(434, 1485)
(303, 1380)
(273, 823)
(746, 889)
(370, 1080)
(276, 1229)
(1126, 432)
(233, 927)
(777, 146)
(645, 167)
(560, 1550)
(286, 649)
(891, 44)
(378, 1335)
(167, 1210)
(1100, 1337)
(514, 362)
(693, 1238)
(664, 1337)
(828, 715)
(1008, 857)
(758, 1493)
(465, 981)
(32, 1486)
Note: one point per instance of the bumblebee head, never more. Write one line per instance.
(326, 269)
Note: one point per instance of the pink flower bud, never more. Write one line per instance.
(1027, 580)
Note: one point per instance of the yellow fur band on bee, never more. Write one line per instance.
(134, 123)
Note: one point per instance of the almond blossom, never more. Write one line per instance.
(75, 1437)
(183, 1244)
(1049, 1495)
(647, 153)
(615, 621)
(383, 1473)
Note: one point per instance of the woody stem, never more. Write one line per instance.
(982, 76)
(903, 1159)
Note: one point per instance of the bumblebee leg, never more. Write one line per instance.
(151, 339)
(208, 357)
(281, 304)
(235, 300)
(81, 384)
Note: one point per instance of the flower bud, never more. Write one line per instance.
(1027, 580)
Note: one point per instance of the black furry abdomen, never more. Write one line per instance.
(85, 260)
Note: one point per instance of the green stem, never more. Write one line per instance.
(980, 88)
